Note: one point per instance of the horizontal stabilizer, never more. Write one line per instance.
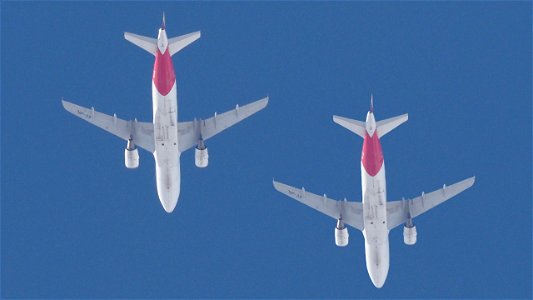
(385, 126)
(180, 42)
(147, 43)
(354, 126)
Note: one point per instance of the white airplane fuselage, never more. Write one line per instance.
(165, 119)
(164, 137)
(374, 192)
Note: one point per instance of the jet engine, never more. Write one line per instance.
(201, 156)
(409, 233)
(131, 155)
(341, 234)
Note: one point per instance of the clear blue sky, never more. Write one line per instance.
(76, 223)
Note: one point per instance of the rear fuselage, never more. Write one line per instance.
(165, 119)
(374, 191)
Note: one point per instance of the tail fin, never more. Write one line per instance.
(180, 42)
(387, 125)
(354, 126)
(147, 43)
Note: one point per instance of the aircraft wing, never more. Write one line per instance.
(190, 132)
(399, 211)
(142, 133)
(351, 212)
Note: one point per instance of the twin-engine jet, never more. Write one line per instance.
(165, 137)
(374, 216)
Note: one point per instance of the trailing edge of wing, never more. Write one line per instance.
(351, 212)
(399, 211)
(142, 133)
(190, 132)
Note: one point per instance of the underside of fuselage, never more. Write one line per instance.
(165, 119)
(374, 194)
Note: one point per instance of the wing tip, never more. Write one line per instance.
(276, 185)
(65, 103)
(261, 103)
(265, 101)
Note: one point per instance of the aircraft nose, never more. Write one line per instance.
(168, 187)
(169, 206)
(378, 280)
(378, 275)
(169, 199)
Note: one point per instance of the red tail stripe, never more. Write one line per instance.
(372, 155)
(164, 76)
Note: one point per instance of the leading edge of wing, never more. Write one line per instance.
(351, 212)
(190, 132)
(142, 133)
(398, 211)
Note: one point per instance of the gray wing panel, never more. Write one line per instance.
(351, 212)
(141, 132)
(190, 132)
(188, 135)
(398, 211)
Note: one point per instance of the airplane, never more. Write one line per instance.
(165, 137)
(374, 216)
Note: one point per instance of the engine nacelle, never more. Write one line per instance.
(131, 158)
(201, 157)
(409, 235)
(341, 234)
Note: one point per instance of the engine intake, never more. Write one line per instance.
(341, 234)
(131, 155)
(201, 156)
(409, 233)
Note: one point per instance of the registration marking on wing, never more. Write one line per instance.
(82, 113)
(295, 193)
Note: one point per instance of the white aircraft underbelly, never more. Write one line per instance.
(166, 154)
(375, 230)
